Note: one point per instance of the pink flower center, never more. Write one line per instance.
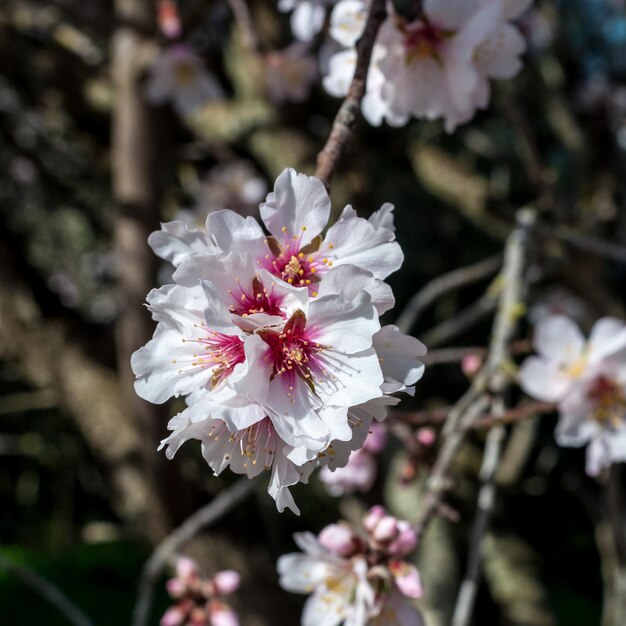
(220, 352)
(293, 353)
(609, 400)
(423, 39)
(294, 263)
(257, 299)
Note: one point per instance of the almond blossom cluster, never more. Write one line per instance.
(275, 340)
(437, 65)
(356, 578)
(587, 380)
(199, 599)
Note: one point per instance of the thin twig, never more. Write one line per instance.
(582, 241)
(486, 499)
(171, 545)
(47, 590)
(443, 284)
(436, 417)
(447, 356)
(340, 133)
(491, 378)
(461, 322)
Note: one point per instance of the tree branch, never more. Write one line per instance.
(340, 133)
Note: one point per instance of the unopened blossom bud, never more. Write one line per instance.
(471, 364)
(386, 529)
(339, 539)
(373, 516)
(407, 579)
(220, 614)
(376, 439)
(174, 616)
(426, 436)
(175, 587)
(186, 568)
(405, 542)
(226, 582)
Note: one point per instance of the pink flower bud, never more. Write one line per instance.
(373, 516)
(407, 579)
(376, 440)
(226, 582)
(405, 542)
(339, 539)
(386, 529)
(426, 436)
(222, 615)
(186, 568)
(471, 364)
(173, 617)
(175, 587)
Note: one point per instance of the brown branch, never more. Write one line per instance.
(445, 356)
(241, 13)
(345, 119)
(437, 417)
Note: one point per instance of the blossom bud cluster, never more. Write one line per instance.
(587, 380)
(360, 577)
(199, 599)
(274, 339)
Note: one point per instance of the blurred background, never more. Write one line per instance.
(89, 167)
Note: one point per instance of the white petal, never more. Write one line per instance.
(608, 336)
(347, 22)
(542, 380)
(344, 325)
(328, 608)
(348, 281)
(357, 242)
(340, 73)
(299, 204)
(307, 20)
(383, 217)
(235, 233)
(302, 573)
(164, 368)
(498, 55)
(398, 353)
(176, 241)
(558, 338)
(356, 378)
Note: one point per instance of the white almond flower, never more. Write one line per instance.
(341, 593)
(587, 379)
(289, 73)
(295, 213)
(179, 76)
(437, 66)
